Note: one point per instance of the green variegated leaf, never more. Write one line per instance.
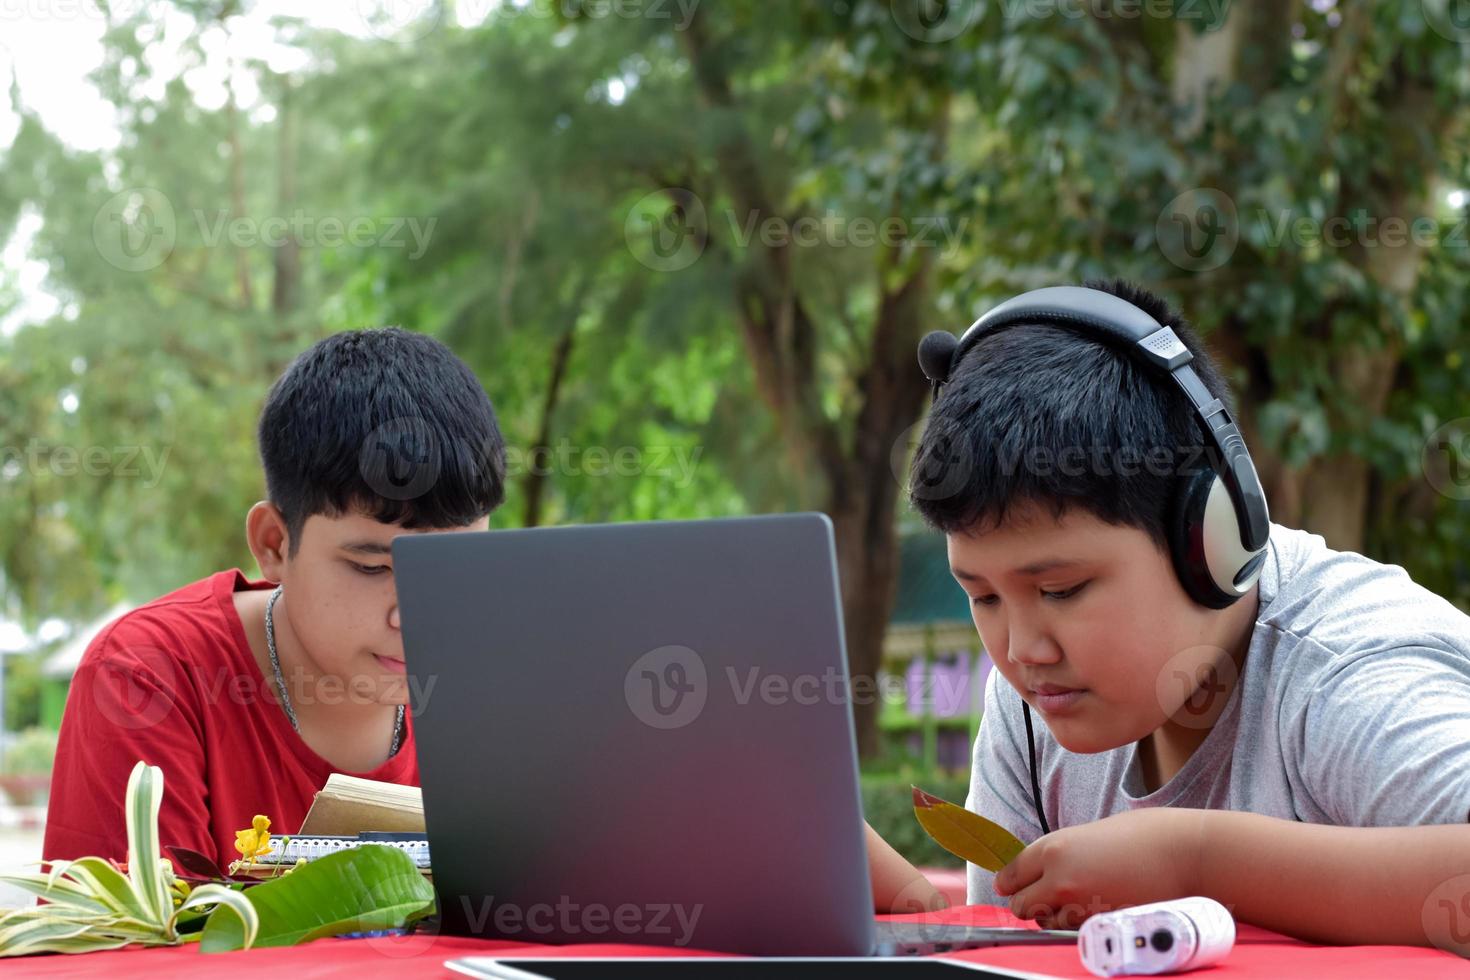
(13, 917)
(108, 884)
(133, 930)
(92, 905)
(98, 923)
(227, 898)
(144, 797)
(86, 943)
(32, 934)
(61, 892)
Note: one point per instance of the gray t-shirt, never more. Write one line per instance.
(1352, 709)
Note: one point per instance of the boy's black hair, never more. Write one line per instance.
(1041, 414)
(384, 422)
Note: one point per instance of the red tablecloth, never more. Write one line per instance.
(1257, 953)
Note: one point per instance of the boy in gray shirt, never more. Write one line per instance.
(1230, 708)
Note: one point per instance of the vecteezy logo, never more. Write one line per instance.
(1198, 230)
(1449, 18)
(400, 20)
(667, 688)
(667, 230)
(1446, 916)
(1445, 459)
(936, 21)
(1460, 934)
(672, 680)
(135, 693)
(400, 459)
(135, 230)
(396, 944)
(1194, 685)
(936, 475)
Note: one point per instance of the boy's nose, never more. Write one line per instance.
(393, 620)
(1029, 645)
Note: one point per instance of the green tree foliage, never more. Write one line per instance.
(709, 240)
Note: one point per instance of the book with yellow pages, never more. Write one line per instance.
(348, 805)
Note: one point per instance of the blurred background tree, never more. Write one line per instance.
(711, 235)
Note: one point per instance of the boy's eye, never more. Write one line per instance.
(1065, 593)
(990, 600)
(370, 569)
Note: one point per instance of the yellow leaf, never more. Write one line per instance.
(965, 834)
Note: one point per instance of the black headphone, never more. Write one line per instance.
(1219, 525)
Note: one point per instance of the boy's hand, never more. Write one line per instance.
(1132, 858)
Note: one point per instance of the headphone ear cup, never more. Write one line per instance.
(1187, 527)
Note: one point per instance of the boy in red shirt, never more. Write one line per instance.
(249, 694)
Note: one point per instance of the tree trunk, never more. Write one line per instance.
(863, 503)
(237, 198)
(286, 288)
(781, 340)
(533, 489)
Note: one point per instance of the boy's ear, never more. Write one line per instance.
(269, 539)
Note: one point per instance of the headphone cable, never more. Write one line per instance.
(1035, 784)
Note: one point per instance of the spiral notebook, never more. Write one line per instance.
(288, 850)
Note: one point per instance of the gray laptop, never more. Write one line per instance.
(639, 733)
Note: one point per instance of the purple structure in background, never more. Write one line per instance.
(951, 686)
(945, 688)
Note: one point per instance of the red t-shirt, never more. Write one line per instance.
(174, 683)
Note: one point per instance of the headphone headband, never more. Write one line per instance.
(1104, 317)
(1089, 311)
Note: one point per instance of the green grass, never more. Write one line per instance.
(888, 806)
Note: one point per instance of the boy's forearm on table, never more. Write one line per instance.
(1359, 885)
(898, 886)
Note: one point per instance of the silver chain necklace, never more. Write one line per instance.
(270, 646)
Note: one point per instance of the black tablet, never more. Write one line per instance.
(712, 968)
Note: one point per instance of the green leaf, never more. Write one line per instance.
(367, 887)
(965, 834)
